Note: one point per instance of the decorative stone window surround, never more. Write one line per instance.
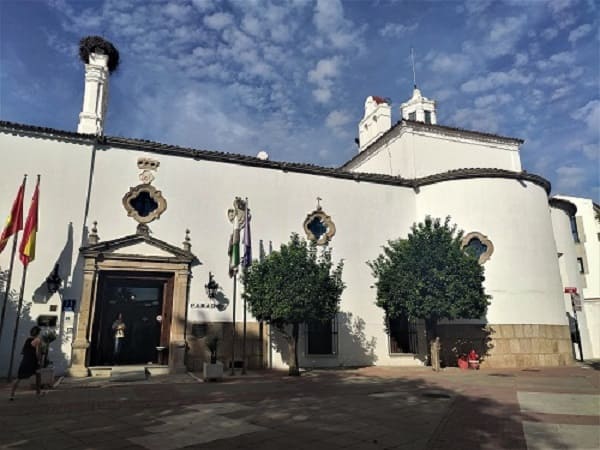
(484, 240)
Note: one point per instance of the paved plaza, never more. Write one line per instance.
(369, 408)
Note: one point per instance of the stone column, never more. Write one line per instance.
(177, 346)
(80, 342)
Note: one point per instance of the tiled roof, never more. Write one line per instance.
(232, 158)
(428, 127)
(563, 204)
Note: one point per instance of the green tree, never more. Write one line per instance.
(294, 285)
(429, 276)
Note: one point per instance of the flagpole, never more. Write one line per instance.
(245, 268)
(16, 331)
(10, 270)
(8, 281)
(233, 328)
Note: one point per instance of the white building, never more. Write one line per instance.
(154, 273)
(585, 227)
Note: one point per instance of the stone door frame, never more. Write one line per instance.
(112, 256)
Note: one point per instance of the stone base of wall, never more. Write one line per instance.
(508, 346)
(198, 353)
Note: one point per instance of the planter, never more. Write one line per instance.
(213, 372)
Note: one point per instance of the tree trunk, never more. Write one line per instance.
(430, 335)
(294, 370)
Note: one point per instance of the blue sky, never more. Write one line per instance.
(291, 77)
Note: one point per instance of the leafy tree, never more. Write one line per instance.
(292, 286)
(429, 276)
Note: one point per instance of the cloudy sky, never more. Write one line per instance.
(291, 77)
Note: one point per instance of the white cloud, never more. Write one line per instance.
(333, 27)
(397, 29)
(322, 95)
(561, 92)
(178, 11)
(449, 63)
(324, 71)
(521, 59)
(570, 177)
(549, 33)
(338, 118)
(496, 79)
(477, 6)
(203, 5)
(579, 32)
(218, 21)
(557, 60)
(492, 100)
(557, 6)
(589, 114)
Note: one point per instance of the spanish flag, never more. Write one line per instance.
(27, 248)
(14, 222)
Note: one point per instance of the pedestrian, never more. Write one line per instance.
(118, 328)
(31, 362)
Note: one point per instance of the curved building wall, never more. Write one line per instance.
(526, 317)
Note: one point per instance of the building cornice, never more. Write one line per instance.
(232, 158)
(563, 204)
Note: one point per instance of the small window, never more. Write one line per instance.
(476, 248)
(427, 116)
(580, 265)
(412, 116)
(321, 337)
(574, 230)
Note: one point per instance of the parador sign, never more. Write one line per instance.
(203, 306)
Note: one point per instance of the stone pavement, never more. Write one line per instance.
(369, 408)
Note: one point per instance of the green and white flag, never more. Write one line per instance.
(234, 247)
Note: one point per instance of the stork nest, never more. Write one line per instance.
(97, 44)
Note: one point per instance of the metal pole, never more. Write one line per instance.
(233, 327)
(8, 281)
(10, 267)
(244, 335)
(14, 341)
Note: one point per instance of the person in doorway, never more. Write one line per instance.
(31, 362)
(118, 328)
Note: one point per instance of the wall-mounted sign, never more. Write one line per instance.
(203, 306)
(570, 290)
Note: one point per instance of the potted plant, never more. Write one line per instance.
(213, 370)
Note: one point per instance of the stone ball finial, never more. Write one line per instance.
(187, 242)
(93, 236)
(97, 44)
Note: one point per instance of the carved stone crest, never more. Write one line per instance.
(144, 202)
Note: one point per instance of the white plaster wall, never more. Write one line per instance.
(589, 237)
(416, 153)
(570, 276)
(522, 275)
(198, 195)
(64, 168)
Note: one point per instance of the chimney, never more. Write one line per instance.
(100, 58)
(377, 121)
(419, 108)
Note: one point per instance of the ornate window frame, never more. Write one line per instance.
(484, 240)
(326, 220)
(154, 194)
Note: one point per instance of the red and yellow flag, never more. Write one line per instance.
(14, 222)
(27, 247)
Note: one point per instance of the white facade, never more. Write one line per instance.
(405, 173)
(586, 259)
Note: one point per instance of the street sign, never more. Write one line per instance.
(570, 290)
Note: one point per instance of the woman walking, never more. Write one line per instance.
(30, 364)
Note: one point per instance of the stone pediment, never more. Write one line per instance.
(138, 246)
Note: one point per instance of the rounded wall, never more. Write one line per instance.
(526, 321)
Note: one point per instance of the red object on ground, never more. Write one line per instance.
(463, 363)
(473, 360)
